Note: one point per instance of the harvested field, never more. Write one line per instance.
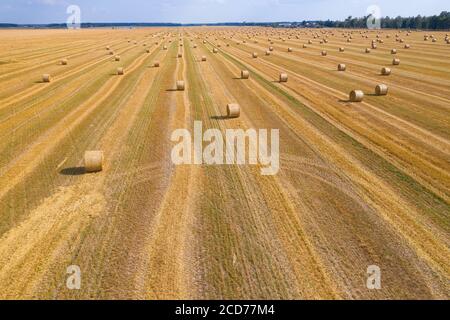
(359, 184)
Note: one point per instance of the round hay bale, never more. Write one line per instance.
(203, 58)
(349, 40)
(46, 78)
(374, 46)
(255, 55)
(117, 58)
(381, 90)
(156, 64)
(165, 48)
(180, 55)
(290, 50)
(120, 71)
(342, 67)
(233, 110)
(305, 46)
(407, 46)
(245, 74)
(396, 62)
(356, 96)
(111, 53)
(324, 53)
(267, 53)
(341, 49)
(310, 42)
(180, 85)
(385, 71)
(93, 161)
(108, 48)
(215, 50)
(195, 46)
(283, 77)
(148, 50)
(368, 50)
(64, 62)
(394, 51)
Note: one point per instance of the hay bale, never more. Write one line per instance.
(394, 51)
(305, 46)
(324, 53)
(356, 96)
(111, 53)
(64, 62)
(180, 85)
(148, 50)
(255, 55)
(368, 50)
(267, 53)
(46, 78)
(117, 58)
(385, 71)
(396, 62)
(381, 90)
(156, 64)
(165, 48)
(108, 48)
(215, 50)
(180, 55)
(290, 50)
(203, 58)
(341, 49)
(407, 46)
(233, 110)
(245, 74)
(342, 67)
(120, 71)
(283, 77)
(93, 161)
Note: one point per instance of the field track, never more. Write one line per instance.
(360, 184)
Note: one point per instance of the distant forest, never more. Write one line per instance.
(436, 22)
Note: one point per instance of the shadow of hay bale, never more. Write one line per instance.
(74, 171)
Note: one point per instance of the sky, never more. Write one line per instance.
(209, 11)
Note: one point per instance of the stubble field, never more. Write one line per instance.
(360, 184)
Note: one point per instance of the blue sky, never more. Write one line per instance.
(204, 11)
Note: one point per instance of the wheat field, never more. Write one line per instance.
(360, 184)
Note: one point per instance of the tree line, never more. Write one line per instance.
(436, 22)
